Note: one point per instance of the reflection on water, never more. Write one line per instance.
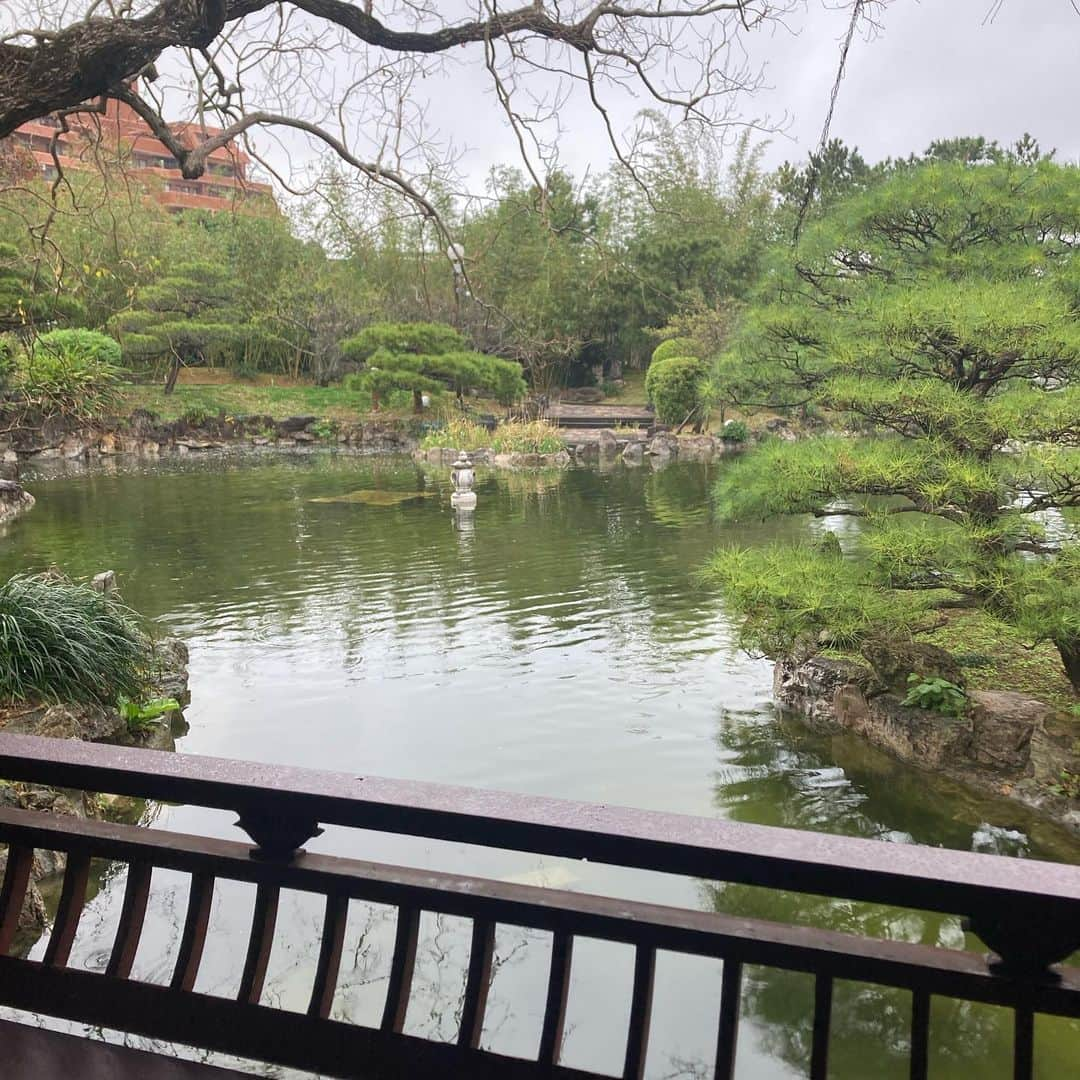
(553, 640)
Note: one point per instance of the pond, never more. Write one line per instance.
(555, 642)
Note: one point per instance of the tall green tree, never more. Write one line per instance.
(935, 315)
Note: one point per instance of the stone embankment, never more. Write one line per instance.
(584, 445)
(90, 723)
(144, 433)
(1006, 743)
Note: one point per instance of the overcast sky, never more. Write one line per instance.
(938, 68)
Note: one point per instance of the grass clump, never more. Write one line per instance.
(63, 641)
(536, 437)
(515, 437)
(458, 433)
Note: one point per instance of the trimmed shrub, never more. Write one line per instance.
(674, 387)
(675, 346)
(735, 431)
(62, 641)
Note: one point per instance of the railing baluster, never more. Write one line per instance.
(68, 911)
(193, 939)
(551, 1035)
(333, 939)
(132, 915)
(819, 1053)
(260, 942)
(637, 1042)
(728, 1035)
(13, 893)
(477, 984)
(401, 968)
(1023, 1044)
(920, 1034)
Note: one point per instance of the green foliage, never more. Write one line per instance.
(325, 430)
(141, 716)
(535, 437)
(421, 339)
(674, 387)
(1067, 785)
(676, 346)
(513, 437)
(62, 641)
(735, 431)
(933, 312)
(937, 695)
(428, 358)
(73, 372)
(30, 294)
(799, 596)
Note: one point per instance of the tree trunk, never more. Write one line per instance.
(417, 402)
(174, 373)
(1069, 649)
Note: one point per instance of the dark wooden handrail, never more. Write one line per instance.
(908, 875)
(1027, 911)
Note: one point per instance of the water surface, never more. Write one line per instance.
(556, 641)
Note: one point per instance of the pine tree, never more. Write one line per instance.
(934, 317)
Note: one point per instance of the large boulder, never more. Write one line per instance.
(664, 446)
(894, 660)
(697, 448)
(633, 453)
(608, 443)
(916, 735)
(1003, 725)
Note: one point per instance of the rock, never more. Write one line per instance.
(74, 447)
(915, 735)
(808, 687)
(14, 500)
(894, 660)
(696, 448)
(108, 444)
(1003, 725)
(91, 723)
(292, 424)
(1055, 747)
(104, 582)
(634, 453)
(260, 440)
(664, 446)
(305, 437)
(608, 443)
(171, 680)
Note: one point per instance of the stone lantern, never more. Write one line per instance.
(463, 477)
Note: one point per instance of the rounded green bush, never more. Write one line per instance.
(674, 387)
(675, 346)
(76, 371)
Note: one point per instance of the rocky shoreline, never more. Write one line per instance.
(1007, 744)
(145, 434)
(89, 723)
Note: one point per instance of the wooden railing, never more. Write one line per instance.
(1028, 912)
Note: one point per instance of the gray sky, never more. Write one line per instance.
(939, 68)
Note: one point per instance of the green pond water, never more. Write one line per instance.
(554, 642)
